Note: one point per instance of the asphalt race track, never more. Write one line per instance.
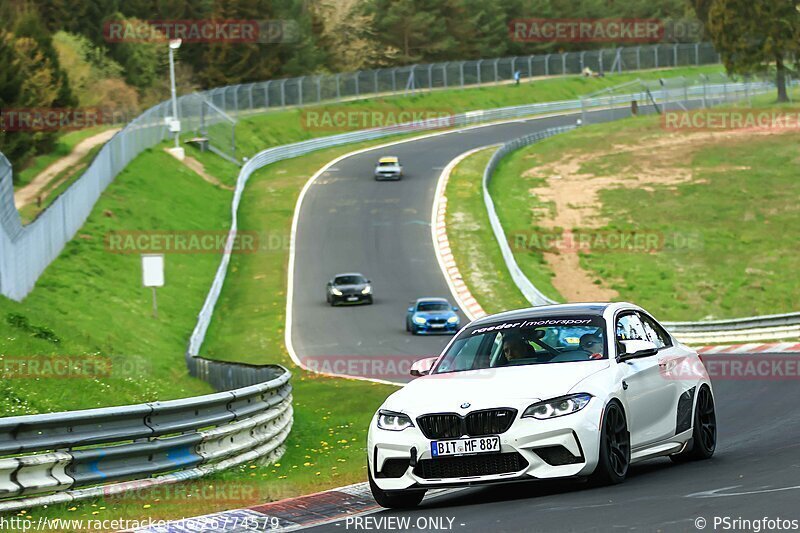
(349, 222)
(755, 473)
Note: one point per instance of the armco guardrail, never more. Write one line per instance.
(25, 251)
(279, 153)
(63, 457)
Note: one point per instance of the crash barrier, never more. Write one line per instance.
(747, 329)
(280, 153)
(25, 251)
(63, 457)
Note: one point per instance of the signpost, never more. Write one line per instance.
(153, 275)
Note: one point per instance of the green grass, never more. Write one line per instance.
(725, 253)
(472, 241)
(93, 302)
(63, 147)
(257, 132)
(54, 189)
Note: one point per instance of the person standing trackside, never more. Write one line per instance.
(517, 74)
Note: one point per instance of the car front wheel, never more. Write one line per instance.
(615, 447)
(395, 499)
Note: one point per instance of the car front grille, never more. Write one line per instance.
(470, 465)
(475, 424)
(441, 426)
(489, 422)
(437, 321)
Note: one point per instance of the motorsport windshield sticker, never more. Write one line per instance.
(540, 322)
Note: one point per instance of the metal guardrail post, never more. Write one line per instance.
(300, 90)
(547, 64)
(283, 93)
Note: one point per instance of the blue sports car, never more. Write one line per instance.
(432, 315)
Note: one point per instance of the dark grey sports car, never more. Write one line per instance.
(350, 288)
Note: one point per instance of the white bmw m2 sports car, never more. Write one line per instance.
(575, 390)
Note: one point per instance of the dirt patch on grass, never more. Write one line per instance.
(573, 184)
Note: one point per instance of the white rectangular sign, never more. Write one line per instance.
(153, 270)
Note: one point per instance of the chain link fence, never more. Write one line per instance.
(25, 251)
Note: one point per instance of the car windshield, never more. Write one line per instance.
(532, 341)
(349, 280)
(387, 164)
(433, 306)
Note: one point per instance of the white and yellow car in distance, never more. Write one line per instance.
(388, 168)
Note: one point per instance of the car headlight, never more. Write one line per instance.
(393, 421)
(566, 405)
(336, 291)
(420, 320)
(367, 290)
(452, 320)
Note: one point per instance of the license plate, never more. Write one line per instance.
(441, 448)
(352, 298)
(437, 325)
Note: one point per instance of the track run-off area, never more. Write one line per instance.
(346, 221)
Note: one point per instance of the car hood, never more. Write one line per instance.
(435, 314)
(491, 387)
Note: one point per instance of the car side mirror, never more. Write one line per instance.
(410, 309)
(422, 367)
(455, 309)
(634, 349)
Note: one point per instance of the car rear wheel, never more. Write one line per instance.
(395, 499)
(704, 430)
(615, 447)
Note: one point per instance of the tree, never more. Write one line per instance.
(752, 35)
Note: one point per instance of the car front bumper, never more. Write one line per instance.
(351, 298)
(569, 443)
(429, 328)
